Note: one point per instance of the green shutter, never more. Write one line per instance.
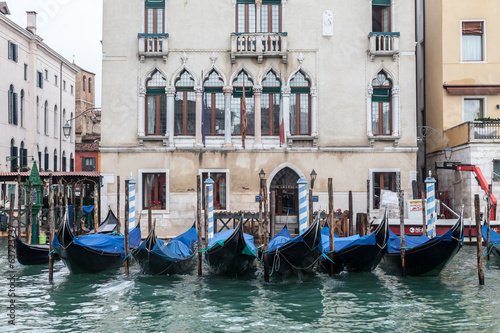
(245, 1)
(381, 95)
(155, 91)
(271, 2)
(381, 2)
(155, 3)
(213, 89)
(271, 90)
(299, 90)
(238, 92)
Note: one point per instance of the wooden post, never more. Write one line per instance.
(11, 226)
(272, 214)
(311, 211)
(29, 214)
(364, 224)
(62, 189)
(479, 241)
(402, 232)
(96, 208)
(73, 207)
(488, 216)
(198, 223)
(148, 197)
(81, 222)
(266, 234)
(260, 212)
(368, 201)
(125, 225)
(19, 207)
(52, 222)
(332, 225)
(351, 222)
(118, 227)
(424, 214)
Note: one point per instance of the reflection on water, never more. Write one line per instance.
(365, 302)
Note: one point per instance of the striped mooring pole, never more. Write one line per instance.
(210, 184)
(431, 206)
(131, 199)
(302, 182)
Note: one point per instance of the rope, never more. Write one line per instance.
(116, 233)
(53, 251)
(325, 256)
(127, 256)
(492, 245)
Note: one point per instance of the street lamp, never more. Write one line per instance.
(67, 126)
(313, 178)
(447, 151)
(262, 174)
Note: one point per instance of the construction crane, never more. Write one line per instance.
(480, 180)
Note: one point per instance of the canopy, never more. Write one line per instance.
(280, 239)
(178, 248)
(494, 236)
(341, 243)
(220, 238)
(109, 243)
(413, 241)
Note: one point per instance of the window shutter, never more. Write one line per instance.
(381, 2)
(381, 95)
(472, 28)
(245, 1)
(155, 3)
(14, 109)
(25, 157)
(15, 52)
(9, 50)
(10, 106)
(271, 2)
(238, 92)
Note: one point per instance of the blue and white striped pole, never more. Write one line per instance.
(431, 206)
(302, 182)
(131, 201)
(210, 214)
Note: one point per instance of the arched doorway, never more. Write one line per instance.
(284, 185)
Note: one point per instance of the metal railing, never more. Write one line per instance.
(485, 130)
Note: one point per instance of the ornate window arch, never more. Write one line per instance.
(270, 104)
(242, 79)
(184, 104)
(156, 104)
(214, 104)
(382, 105)
(300, 104)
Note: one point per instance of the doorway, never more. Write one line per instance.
(284, 185)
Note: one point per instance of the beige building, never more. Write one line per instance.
(346, 73)
(462, 68)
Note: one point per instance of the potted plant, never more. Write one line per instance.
(156, 205)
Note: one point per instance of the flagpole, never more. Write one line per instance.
(203, 110)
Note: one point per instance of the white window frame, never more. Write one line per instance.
(138, 202)
(485, 102)
(372, 171)
(485, 60)
(228, 194)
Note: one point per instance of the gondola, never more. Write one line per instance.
(32, 254)
(494, 241)
(231, 252)
(92, 253)
(289, 255)
(355, 253)
(109, 224)
(157, 257)
(424, 256)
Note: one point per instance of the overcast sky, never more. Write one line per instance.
(70, 27)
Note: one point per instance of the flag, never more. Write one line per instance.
(202, 109)
(243, 115)
(282, 124)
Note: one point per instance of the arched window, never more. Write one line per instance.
(38, 116)
(12, 106)
(381, 105)
(63, 161)
(237, 104)
(156, 105)
(56, 122)
(21, 108)
(214, 104)
(46, 159)
(270, 104)
(300, 105)
(46, 118)
(185, 105)
(84, 82)
(55, 159)
(23, 155)
(90, 85)
(14, 163)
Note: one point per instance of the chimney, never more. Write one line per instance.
(31, 22)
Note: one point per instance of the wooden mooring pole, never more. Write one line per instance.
(96, 208)
(332, 225)
(19, 206)
(10, 250)
(272, 214)
(52, 222)
(148, 196)
(488, 209)
(118, 227)
(402, 231)
(81, 221)
(266, 233)
(260, 213)
(29, 213)
(198, 224)
(368, 202)
(351, 222)
(126, 225)
(479, 241)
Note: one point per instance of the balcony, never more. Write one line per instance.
(384, 44)
(473, 132)
(153, 45)
(259, 45)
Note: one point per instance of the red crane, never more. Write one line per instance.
(480, 180)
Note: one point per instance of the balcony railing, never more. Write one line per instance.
(484, 130)
(259, 45)
(384, 44)
(153, 45)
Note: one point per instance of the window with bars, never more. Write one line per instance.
(214, 104)
(185, 105)
(382, 105)
(300, 105)
(237, 104)
(156, 105)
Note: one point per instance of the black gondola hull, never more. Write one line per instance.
(83, 260)
(154, 265)
(32, 254)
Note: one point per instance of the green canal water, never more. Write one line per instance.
(367, 302)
